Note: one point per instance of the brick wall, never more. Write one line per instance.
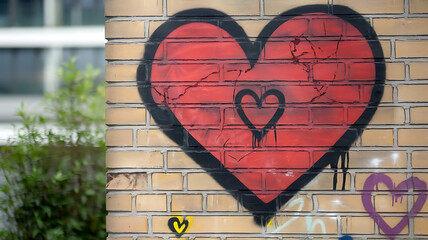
(160, 188)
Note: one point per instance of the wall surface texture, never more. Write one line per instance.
(267, 119)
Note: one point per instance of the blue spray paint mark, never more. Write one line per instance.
(346, 237)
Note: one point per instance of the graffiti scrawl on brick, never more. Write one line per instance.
(397, 192)
(179, 224)
(272, 111)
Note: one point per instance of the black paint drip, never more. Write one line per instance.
(344, 166)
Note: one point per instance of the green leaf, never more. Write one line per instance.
(51, 163)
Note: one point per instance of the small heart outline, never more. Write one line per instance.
(259, 134)
(177, 226)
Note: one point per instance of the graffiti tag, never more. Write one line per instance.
(179, 224)
(396, 191)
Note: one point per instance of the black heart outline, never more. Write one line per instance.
(165, 118)
(259, 134)
(171, 222)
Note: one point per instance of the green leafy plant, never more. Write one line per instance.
(54, 168)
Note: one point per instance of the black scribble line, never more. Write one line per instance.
(335, 72)
(160, 94)
(221, 131)
(338, 43)
(312, 45)
(337, 48)
(325, 30)
(238, 160)
(296, 59)
(313, 48)
(209, 75)
(333, 100)
(192, 86)
(224, 144)
(316, 97)
(236, 79)
(344, 157)
(166, 97)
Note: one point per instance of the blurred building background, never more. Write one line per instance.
(36, 36)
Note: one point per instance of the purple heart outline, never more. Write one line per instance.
(397, 191)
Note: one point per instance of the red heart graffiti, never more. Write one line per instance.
(321, 64)
(397, 191)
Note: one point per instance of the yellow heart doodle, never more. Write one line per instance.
(180, 224)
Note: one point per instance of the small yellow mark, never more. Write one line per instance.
(179, 229)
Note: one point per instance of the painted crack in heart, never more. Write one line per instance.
(197, 62)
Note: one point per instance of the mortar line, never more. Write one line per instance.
(146, 29)
(406, 8)
(164, 8)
